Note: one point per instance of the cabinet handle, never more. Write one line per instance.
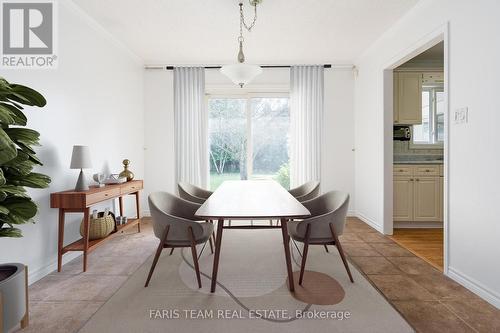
(417, 179)
(427, 170)
(105, 194)
(411, 179)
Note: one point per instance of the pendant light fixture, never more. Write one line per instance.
(242, 73)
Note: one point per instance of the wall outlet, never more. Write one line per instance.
(461, 115)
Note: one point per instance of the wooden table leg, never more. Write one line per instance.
(218, 241)
(138, 209)
(286, 244)
(60, 240)
(120, 204)
(86, 222)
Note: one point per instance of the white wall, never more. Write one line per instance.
(337, 167)
(474, 161)
(159, 163)
(338, 158)
(94, 98)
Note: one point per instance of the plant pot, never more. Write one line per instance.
(13, 294)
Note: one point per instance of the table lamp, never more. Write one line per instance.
(80, 159)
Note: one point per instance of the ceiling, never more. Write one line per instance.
(287, 31)
(434, 53)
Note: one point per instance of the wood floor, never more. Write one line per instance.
(424, 243)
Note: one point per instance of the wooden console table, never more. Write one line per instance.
(80, 202)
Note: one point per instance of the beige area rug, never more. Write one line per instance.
(251, 295)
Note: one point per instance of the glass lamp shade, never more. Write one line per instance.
(241, 73)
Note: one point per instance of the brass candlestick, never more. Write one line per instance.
(126, 173)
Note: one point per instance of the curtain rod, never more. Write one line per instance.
(169, 68)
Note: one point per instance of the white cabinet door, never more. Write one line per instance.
(427, 199)
(407, 98)
(403, 199)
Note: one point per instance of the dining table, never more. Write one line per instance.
(251, 200)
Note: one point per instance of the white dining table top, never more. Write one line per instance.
(251, 199)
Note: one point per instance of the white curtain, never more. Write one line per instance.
(306, 117)
(191, 121)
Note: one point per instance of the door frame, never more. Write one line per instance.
(441, 34)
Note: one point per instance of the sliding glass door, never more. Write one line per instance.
(249, 138)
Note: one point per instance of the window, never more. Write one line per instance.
(431, 131)
(248, 138)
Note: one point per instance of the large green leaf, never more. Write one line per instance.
(17, 158)
(16, 113)
(34, 180)
(18, 170)
(6, 115)
(2, 178)
(20, 208)
(10, 232)
(13, 190)
(31, 96)
(4, 210)
(23, 135)
(8, 149)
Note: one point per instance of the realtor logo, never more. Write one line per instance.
(28, 30)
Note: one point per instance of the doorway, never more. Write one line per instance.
(416, 149)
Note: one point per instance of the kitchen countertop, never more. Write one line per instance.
(420, 162)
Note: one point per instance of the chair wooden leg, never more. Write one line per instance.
(157, 255)
(304, 254)
(326, 248)
(195, 255)
(211, 244)
(171, 251)
(341, 252)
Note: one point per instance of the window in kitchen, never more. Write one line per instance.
(431, 131)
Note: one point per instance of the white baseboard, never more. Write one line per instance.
(351, 213)
(416, 225)
(475, 286)
(370, 222)
(36, 275)
(145, 213)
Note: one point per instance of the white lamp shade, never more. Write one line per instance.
(241, 73)
(80, 159)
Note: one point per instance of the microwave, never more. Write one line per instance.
(402, 133)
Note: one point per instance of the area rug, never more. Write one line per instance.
(251, 296)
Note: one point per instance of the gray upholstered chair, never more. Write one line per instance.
(175, 225)
(193, 193)
(306, 191)
(323, 227)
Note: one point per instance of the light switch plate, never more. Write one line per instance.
(461, 115)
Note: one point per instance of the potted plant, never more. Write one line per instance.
(17, 160)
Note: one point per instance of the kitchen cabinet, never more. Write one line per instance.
(407, 98)
(418, 193)
(426, 199)
(403, 199)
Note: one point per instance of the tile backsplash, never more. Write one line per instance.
(403, 152)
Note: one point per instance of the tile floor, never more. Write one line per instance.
(429, 301)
